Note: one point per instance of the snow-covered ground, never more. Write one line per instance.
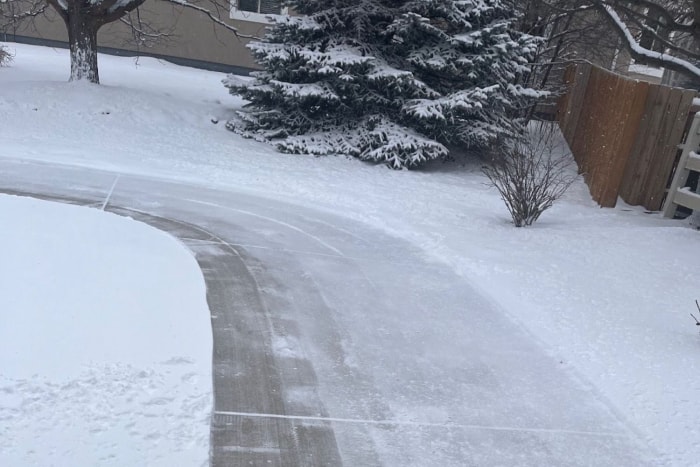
(102, 360)
(608, 292)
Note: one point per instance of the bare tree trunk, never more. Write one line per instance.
(83, 18)
(82, 38)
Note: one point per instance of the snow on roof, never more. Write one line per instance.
(646, 70)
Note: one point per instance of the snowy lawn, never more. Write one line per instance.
(102, 360)
(606, 291)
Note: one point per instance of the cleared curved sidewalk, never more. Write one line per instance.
(336, 344)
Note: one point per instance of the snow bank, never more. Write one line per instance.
(105, 342)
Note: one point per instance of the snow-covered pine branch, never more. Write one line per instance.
(389, 81)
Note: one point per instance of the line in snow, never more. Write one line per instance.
(422, 424)
(194, 242)
(276, 221)
(111, 190)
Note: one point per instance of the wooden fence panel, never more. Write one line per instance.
(646, 145)
(637, 93)
(595, 141)
(623, 133)
(661, 166)
(621, 123)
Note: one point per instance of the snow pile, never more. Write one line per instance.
(105, 342)
(606, 291)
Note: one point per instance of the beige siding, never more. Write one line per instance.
(192, 35)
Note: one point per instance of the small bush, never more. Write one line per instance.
(5, 56)
(530, 174)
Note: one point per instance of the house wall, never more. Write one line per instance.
(193, 38)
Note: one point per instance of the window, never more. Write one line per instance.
(256, 10)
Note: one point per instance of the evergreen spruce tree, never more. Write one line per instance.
(391, 81)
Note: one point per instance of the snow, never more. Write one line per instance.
(518, 90)
(304, 90)
(607, 292)
(437, 108)
(117, 5)
(646, 70)
(102, 360)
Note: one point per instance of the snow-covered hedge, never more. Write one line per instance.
(397, 82)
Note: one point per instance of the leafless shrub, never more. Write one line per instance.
(697, 323)
(5, 57)
(530, 174)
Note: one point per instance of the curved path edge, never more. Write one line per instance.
(245, 374)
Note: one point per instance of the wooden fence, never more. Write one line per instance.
(623, 133)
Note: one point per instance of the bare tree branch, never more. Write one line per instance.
(214, 18)
(143, 33)
(117, 10)
(643, 55)
(671, 46)
(672, 26)
(31, 10)
(654, 10)
(59, 7)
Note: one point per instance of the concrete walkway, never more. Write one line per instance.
(335, 344)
